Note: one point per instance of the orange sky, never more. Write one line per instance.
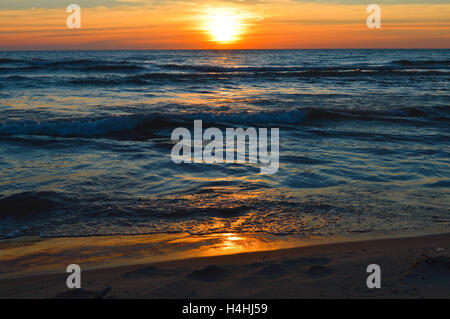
(147, 24)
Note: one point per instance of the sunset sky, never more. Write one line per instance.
(246, 24)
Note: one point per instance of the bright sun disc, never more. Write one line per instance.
(224, 27)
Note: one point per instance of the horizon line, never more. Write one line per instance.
(234, 49)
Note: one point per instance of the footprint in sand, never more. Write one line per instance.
(210, 273)
(306, 261)
(270, 272)
(435, 270)
(318, 271)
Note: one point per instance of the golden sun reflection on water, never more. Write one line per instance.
(24, 256)
(231, 242)
(31, 255)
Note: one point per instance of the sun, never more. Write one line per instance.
(224, 26)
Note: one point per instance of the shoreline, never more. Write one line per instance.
(144, 249)
(409, 266)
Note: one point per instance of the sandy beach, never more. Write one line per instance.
(414, 267)
(235, 151)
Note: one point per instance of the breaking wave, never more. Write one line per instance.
(100, 126)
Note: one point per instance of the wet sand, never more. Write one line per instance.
(414, 267)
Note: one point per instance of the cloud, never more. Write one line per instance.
(380, 2)
(55, 4)
(242, 2)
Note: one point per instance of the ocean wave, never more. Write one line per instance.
(102, 126)
(18, 69)
(72, 65)
(112, 68)
(400, 114)
(8, 61)
(75, 62)
(90, 127)
(72, 127)
(223, 69)
(393, 66)
(26, 204)
(278, 69)
(37, 61)
(445, 63)
(155, 78)
(109, 65)
(120, 73)
(97, 67)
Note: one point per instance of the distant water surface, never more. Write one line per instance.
(85, 142)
